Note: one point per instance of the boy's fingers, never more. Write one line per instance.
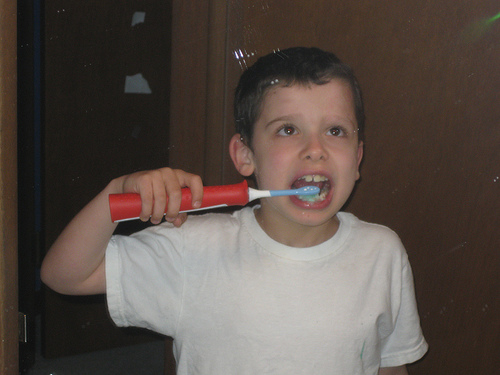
(147, 197)
(172, 185)
(185, 179)
(161, 194)
(179, 220)
(150, 185)
(195, 184)
(160, 199)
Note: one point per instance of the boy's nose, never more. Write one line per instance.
(314, 150)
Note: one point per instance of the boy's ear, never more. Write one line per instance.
(241, 155)
(360, 157)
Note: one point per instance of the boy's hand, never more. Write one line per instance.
(157, 187)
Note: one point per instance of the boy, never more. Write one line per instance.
(291, 286)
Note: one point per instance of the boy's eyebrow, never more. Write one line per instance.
(293, 117)
(281, 118)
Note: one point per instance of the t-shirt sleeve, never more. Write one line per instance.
(144, 279)
(406, 343)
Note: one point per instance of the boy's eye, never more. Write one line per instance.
(287, 130)
(336, 131)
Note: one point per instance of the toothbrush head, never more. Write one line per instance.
(305, 190)
(308, 190)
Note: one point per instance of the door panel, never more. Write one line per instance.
(9, 360)
(95, 131)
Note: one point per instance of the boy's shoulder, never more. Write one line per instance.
(365, 231)
(359, 224)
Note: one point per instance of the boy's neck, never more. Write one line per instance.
(296, 234)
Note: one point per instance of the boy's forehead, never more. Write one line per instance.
(340, 86)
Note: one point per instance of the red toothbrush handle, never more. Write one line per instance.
(128, 206)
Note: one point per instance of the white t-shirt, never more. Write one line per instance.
(237, 302)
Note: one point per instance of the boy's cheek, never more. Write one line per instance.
(272, 164)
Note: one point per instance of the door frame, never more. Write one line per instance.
(9, 357)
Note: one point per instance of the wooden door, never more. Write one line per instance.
(430, 80)
(107, 75)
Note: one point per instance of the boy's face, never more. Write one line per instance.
(306, 135)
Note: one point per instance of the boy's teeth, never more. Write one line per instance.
(315, 178)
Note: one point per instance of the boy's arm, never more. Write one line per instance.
(399, 370)
(75, 262)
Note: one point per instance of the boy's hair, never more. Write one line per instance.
(298, 65)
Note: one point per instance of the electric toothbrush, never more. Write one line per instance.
(125, 207)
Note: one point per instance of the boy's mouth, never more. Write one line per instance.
(322, 182)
